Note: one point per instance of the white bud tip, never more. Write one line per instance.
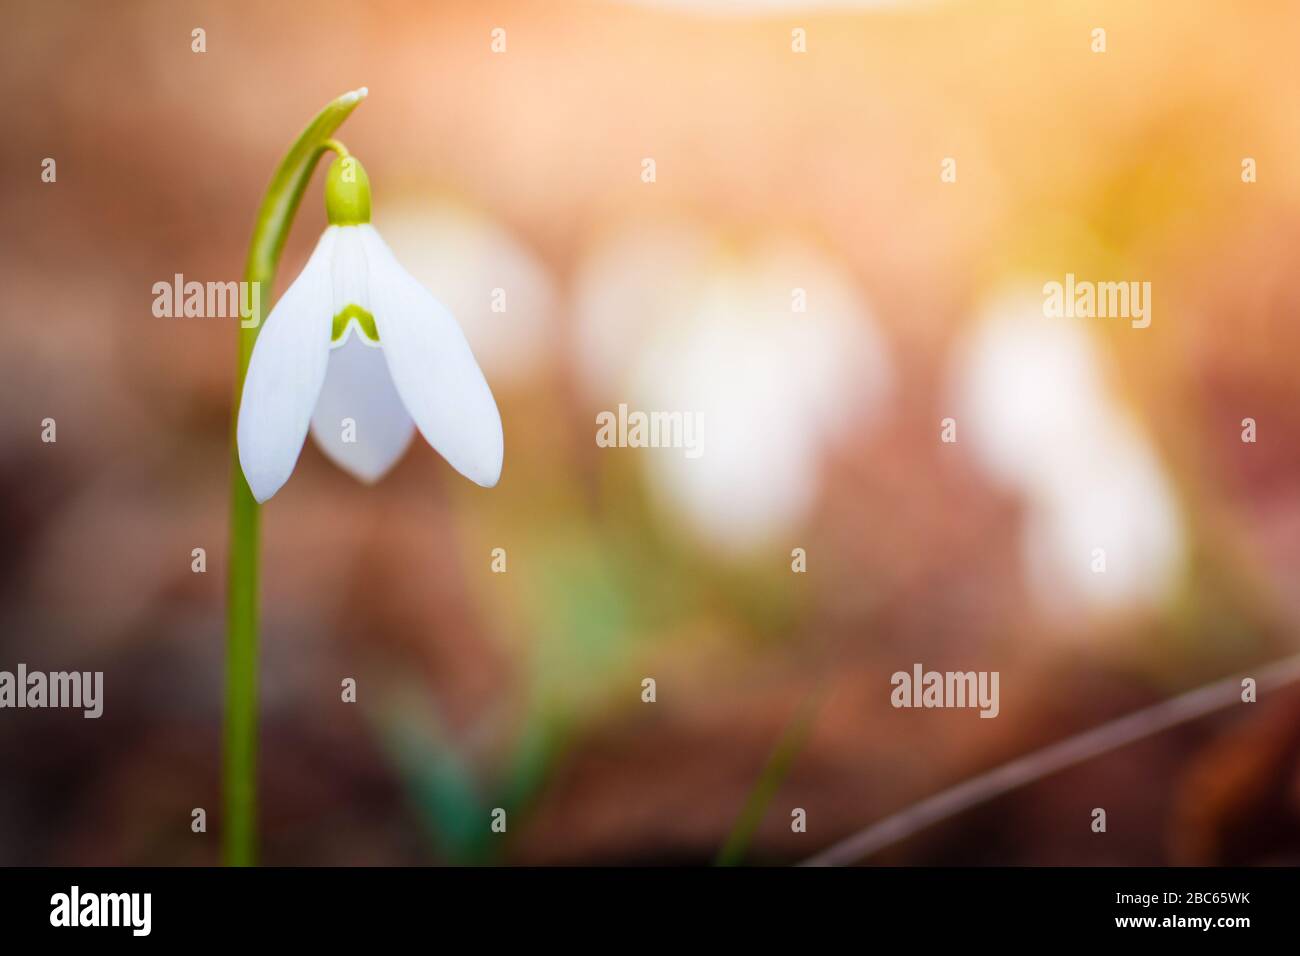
(355, 95)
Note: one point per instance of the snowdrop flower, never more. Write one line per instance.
(671, 320)
(1103, 528)
(359, 352)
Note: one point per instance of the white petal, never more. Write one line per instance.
(433, 368)
(358, 386)
(285, 375)
(348, 270)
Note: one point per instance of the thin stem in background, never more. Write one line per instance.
(1058, 756)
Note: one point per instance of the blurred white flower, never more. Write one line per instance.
(502, 295)
(718, 337)
(622, 303)
(1117, 499)
(1032, 405)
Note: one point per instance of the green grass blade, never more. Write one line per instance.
(769, 781)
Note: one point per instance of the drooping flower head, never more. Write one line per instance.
(360, 354)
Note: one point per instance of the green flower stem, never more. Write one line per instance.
(274, 217)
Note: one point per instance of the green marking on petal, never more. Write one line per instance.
(355, 315)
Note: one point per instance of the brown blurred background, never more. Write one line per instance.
(775, 171)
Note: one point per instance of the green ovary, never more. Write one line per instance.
(365, 323)
(347, 193)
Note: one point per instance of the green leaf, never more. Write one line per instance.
(769, 781)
